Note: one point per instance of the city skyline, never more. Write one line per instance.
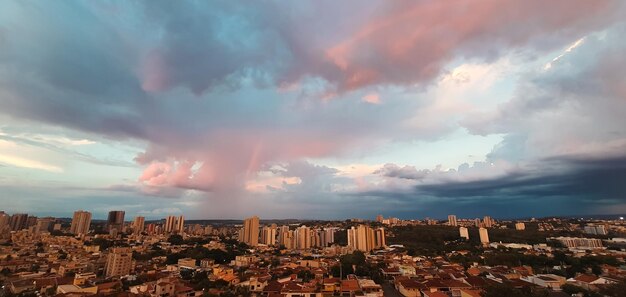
(313, 110)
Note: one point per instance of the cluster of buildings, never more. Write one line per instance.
(302, 237)
(119, 257)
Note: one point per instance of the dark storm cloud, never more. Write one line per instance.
(580, 179)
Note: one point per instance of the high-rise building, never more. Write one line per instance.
(452, 220)
(180, 224)
(18, 221)
(379, 238)
(268, 235)
(329, 237)
(44, 224)
(170, 221)
(484, 236)
(487, 222)
(81, 221)
(138, 225)
(464, 233)
(477, 222)
(115, 221)
(283, 236)
(174, 224)
(364, 238)
(303, 236)
(119, 262)
(520, 226)
(250, 234)
(4, 222)
(379, 218)
(31, 221)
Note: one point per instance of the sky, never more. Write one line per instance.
(313, 109)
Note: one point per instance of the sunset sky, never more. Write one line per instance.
(313, 109)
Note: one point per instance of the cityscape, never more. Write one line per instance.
(313, 148)
(381, 256)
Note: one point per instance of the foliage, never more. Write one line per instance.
(176, 239)
(615, 290)
(102, 242)
(573, 289)
(500, 290)
(200, 252)
(305, 275)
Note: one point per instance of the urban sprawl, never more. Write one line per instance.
(172, 257)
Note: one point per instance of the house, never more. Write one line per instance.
(349, 287)
(551, 281)
(589, 282)
(409, 287)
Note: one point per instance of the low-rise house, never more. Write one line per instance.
(551, 281)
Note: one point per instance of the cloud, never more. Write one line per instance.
(579, 180)
(218, 94)
(410, 42)
(372, 98)
(406, 172)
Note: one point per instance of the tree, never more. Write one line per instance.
(305, 275)
(615, 290)
(501, 290)
(176, 239)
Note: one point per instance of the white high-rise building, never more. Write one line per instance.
(464, 233)
(452, 220)
(520, 226)
(484, 236)
(81, 221)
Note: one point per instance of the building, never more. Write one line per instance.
(4, 222)
(488, 222)
(484, 236)
(250, 234)
(18, 221)
(379, 218)
(138, 224)
(477, 223)
(180, 224)
(119, 262)
(174, 224)
(464, 233)
(329, 236)
(365, 239)
(268, 235)
(115, 221)
(578, 242)
(452, 220)
(81, 221)
(44, 224)
(379, 238)
(595, 230)
(520, 226)
(303, 238)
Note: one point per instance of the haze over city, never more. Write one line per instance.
(313, 109)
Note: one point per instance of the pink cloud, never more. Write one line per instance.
(372, 98)
(411, 41)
